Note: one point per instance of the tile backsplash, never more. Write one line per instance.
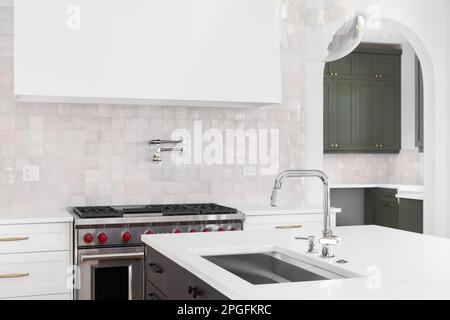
(404, 168)
(99, 154)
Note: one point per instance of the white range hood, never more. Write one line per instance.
(164, 52)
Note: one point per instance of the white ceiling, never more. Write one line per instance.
(383, 35)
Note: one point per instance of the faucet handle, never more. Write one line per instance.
(311, 243)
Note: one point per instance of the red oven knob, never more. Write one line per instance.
(193, 230)
(206, 230)
(232, 228)
(220, 229)
(149, 231)
(126, 236)
(176, 230)
(102, 237)
(88, 238)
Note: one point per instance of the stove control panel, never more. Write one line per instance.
(131, 235)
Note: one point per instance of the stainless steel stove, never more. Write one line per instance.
(109, 251)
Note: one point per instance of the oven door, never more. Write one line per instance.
(111, 274)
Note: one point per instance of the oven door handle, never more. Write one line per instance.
(113, 256)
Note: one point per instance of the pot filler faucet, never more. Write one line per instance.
(328, 240)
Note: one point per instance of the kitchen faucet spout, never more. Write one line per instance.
(328, 239)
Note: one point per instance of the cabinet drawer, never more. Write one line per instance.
(310, 223)
(35, 237)
(31, 274)
(156, 267)
(152, 293)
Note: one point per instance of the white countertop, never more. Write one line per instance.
(283, 210)
(411, 195)
(392, 264)
(34, 216)
(405, 191)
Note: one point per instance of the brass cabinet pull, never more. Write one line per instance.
(376, 76)
(11, 239)
(381, 146)
(377, 146)
(14, 275)
(381, 76)
(293, 226)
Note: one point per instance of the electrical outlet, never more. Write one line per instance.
(30, 173)
(249, 171)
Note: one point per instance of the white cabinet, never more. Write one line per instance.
(31, 274)
(35, 261)
(303, 223)
(165, 52)
(35, 237)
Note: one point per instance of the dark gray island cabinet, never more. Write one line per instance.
(166, 280)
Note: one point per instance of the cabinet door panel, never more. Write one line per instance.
(389, 116)
(389, 67)
(367, 66)
(388, 209)
(343, 114)
(328, 136)
(344, 68)
(411, 215)
(366, 115)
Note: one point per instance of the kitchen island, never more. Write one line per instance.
(379, 263)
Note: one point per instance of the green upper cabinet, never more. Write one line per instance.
(373, 64)
(367, 66)
(362, 102)
(367, 116)
(343, 69)
(389, 118)
(389, 67)
(341, 111)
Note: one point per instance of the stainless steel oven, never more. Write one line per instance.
(108, 250)
(111, 274)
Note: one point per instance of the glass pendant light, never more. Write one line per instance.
(325, 30)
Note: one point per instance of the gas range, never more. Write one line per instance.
(108, 250)
(102, 226)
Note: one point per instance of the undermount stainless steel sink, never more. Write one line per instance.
(271, 267)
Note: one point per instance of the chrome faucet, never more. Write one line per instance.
(328, 240)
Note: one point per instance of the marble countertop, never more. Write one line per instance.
(34, 216)
(391, 264)
(283, 210)
(415, 192)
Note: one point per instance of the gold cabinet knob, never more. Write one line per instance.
(381, 76)
(376, 76)
(381, 146)
(377, 146)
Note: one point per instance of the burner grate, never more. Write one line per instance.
(97, 212)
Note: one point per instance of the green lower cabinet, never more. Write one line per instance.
(388, 209)
(411, 215)
(382, 208)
